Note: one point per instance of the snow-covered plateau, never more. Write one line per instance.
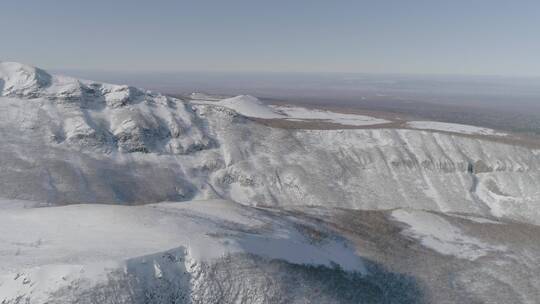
(114, 194)
(452, 127)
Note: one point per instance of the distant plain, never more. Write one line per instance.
(504, 103)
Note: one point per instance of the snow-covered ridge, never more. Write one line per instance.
(46, 250)
(249, 106)
(222, 252)
(153, 148)
(252, 107)
(67, 141)
(97, 116)
(20, 80)
(453, 127)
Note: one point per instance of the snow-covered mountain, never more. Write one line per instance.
(72, 141)
(98, 116)
(250, 177)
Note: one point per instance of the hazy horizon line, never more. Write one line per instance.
(270, 72)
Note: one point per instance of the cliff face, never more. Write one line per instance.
(377, 169)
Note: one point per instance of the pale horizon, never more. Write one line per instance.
(387, 37)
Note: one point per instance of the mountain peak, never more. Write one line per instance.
(21, 79)
(28, 82)
(96, 116)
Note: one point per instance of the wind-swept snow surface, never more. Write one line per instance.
(18, 79)
(435, 232)
(249, 106)
(46, 249)
(304, 114)
(452, 127)
(252, 107)
(221, 252)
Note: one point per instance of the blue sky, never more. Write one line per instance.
(443, 37)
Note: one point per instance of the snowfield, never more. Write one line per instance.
(249, 106)
(252, 107)
(114, 194)
(436, 233)
(52, 248)
(221, 252)
(452, 127)
(303, 114)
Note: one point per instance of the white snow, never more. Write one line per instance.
(161, 148)
(303, 114)
(252, 107)
(67, 140)
(249, 106)
(43, 249)
(452, 127)
(19, 204)
(39, 282)
(16, 77)
(437, 233)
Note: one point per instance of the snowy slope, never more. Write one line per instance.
(221, 252)
(452, 127)
(100, 143)
(252, 107)
(95, 116)
(304, 114)
(468, 203)
(436, 233)
(51, 249)
(249, 106)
